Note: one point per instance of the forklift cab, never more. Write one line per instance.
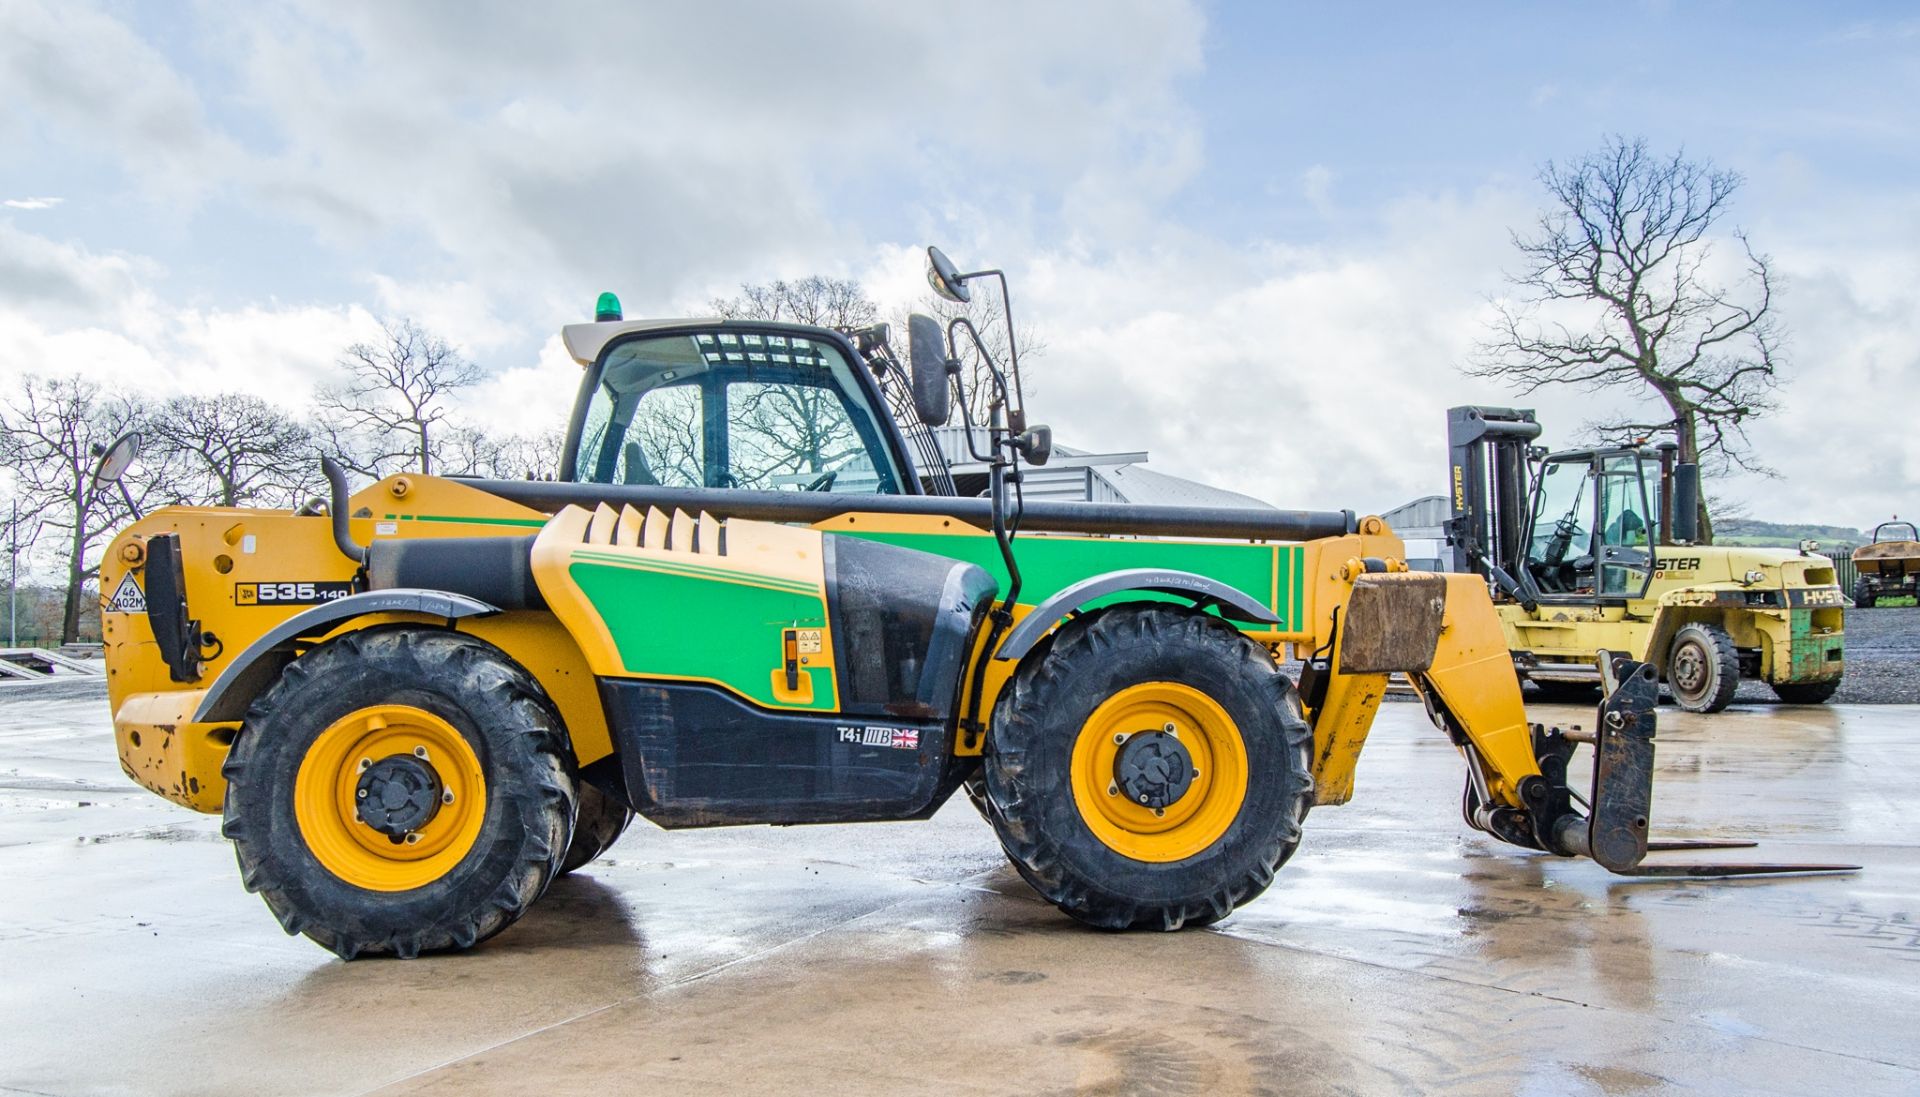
(757, 407)
(1571, 528)
(1590, 537)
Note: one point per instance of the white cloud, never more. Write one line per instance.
(31, 203)
(1316, 185)
(78, 71)
(529, 399)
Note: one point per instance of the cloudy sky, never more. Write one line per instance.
(1258, 240)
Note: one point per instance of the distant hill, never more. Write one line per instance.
(1746, 531)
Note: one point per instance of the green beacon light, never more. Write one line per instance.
(607, 308)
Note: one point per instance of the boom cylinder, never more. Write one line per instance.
(783, 506)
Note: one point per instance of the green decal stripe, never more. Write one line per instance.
(1296, 563)
(700, 571)
(1047, 564)
(532, 523)
(686, 626)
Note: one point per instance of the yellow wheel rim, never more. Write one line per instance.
(1197, 819)
(326, 798)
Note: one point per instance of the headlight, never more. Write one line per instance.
(1756, 576)
(1809, 546)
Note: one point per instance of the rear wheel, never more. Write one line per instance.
(1703, 669)
(1806, 693)
(1149, 769)
(400, 791)
(598, 825)
(1862, 593)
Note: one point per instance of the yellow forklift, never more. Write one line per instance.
(1594, 549)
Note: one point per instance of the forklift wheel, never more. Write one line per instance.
(1703, 670)
(400, 790)
(601, 822)
(1149, 768)
(1806, 693)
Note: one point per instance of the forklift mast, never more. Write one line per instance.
(1487, 450)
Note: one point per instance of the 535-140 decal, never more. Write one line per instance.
(289, 594)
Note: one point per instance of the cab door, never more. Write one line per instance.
(757, 409)
(1560, 544)
(1623, 534)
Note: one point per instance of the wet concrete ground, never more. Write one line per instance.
(1398, 953)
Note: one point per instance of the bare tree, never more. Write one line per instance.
(385, 416)
(823, 302)
(530, 456)
(1618, 291)
(48, 435)
(468, 450)
(784, 429)
(988, 317)
(232, 449)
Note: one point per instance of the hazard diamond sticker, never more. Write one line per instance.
(127, 598)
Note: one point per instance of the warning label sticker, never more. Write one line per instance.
(127, 597)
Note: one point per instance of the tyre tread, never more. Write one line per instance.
(1021, 716)
(472, 668)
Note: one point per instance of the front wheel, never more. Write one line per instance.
(1150, 768)
(1703, 670)
(399, 791)
(1806, 693)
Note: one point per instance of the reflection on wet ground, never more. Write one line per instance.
(1397, 953)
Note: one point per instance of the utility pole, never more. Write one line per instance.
(13, 578)
(14, 545)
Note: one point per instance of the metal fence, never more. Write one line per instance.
(1844, 572)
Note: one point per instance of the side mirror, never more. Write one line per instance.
(1035, 444)
(927, 361)
(945, 278)
(115, 458)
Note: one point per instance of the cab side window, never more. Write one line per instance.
(761, 411)
(1560, 550)
(1625, 533)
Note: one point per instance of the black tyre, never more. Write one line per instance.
(975, 788)
(1564, 692)
(1806, 693)
(1703, 670)
(599, 823)
(1150, 768)
(1862, 593)
(399, 791)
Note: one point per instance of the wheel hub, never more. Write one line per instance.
(398, 795)
(1688, 669)
(1153, 769)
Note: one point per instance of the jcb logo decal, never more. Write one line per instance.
(288, 594)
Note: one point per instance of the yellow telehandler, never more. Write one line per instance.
(751, 598)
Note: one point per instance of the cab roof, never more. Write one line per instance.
(586, 341)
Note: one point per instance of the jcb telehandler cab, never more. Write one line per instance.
(419, 703)
(1593, 549)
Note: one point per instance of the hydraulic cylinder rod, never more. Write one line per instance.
(817, 506)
